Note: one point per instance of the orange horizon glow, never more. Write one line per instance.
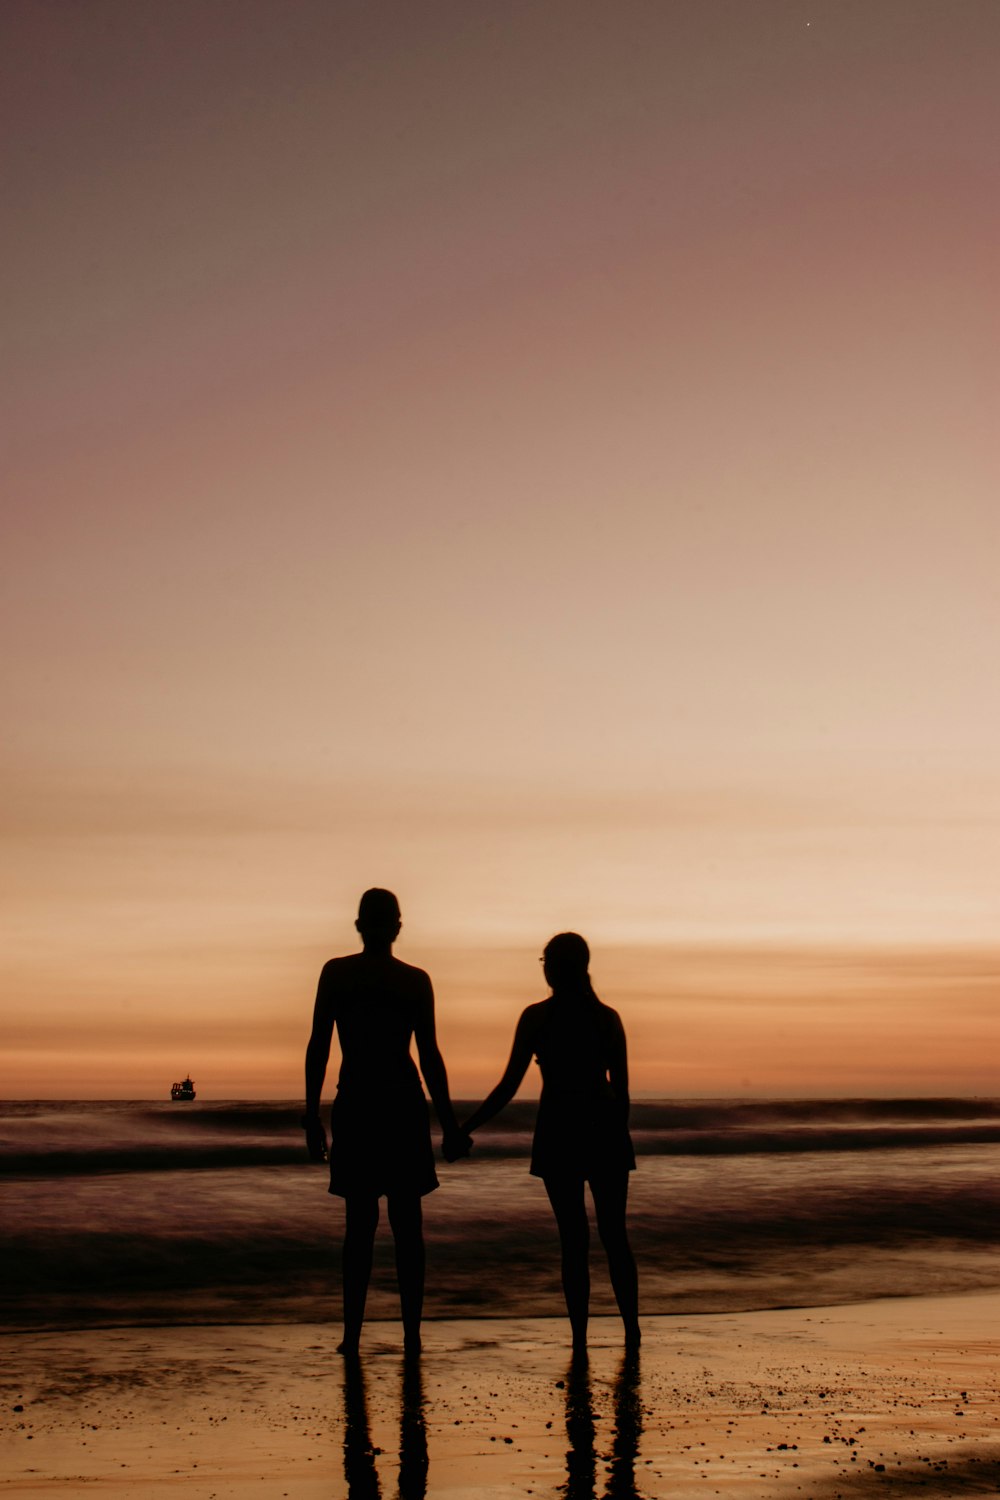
(726, 1022)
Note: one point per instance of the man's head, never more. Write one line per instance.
(379, 920)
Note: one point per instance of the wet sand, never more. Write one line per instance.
(891, 1397)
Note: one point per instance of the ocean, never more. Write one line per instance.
(138, 1213)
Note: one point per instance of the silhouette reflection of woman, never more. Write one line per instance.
(581, 1131)
(380, 1131)
(581, 1455)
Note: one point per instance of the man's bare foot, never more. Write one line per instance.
(633, 1338)
(350, 1347)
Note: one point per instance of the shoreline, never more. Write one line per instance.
(890, 1396)
(59, 1325)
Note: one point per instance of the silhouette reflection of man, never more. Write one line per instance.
(413, 1461)
(380, 1143)
(359, 1454)
(360, 1469)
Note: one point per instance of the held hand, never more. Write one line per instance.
(455, 1144)
(315, 1137)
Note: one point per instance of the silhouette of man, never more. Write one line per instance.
(379, 1125)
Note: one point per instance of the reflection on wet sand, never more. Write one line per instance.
(360, 1470)
(359, 1455)
(582, 1456)
(412, 1433)
(581, 1459)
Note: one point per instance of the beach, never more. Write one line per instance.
(893, 1396)
(819, 1282)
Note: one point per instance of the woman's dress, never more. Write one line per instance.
(581, 1130)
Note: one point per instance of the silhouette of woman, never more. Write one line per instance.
(379, 1126)
(581, 1130)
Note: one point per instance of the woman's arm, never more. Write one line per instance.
(517, 1066)
(618, 1062)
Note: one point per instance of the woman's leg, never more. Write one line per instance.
(407, 1221)
(356, 1263)
(574, 1238)
(610, 1197)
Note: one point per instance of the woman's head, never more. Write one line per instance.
(566, 961)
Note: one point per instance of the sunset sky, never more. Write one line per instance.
(539, 457)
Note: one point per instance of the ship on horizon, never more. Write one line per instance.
(182, 1090)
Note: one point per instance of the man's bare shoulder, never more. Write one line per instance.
(358, 972)
(338, 971)
(417, 979)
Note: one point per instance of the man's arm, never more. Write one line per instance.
(317, 1057)
(434, 1071)
(517, 1066)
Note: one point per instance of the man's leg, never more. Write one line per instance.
(356, 1263)
(407, 1221)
